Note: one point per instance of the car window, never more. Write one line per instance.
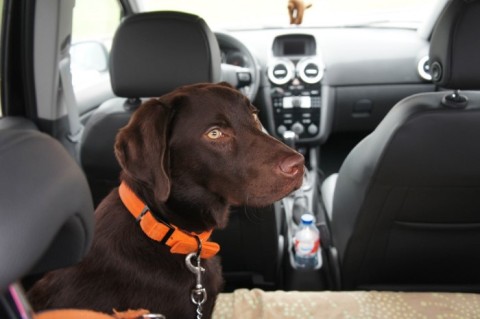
(94, 23)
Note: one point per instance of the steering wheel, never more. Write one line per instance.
(247, 78)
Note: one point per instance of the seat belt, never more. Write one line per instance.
(76, 127)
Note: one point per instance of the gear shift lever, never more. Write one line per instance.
(290, 138)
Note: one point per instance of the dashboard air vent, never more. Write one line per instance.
(280, 71)
(310, 70)
(423, 68)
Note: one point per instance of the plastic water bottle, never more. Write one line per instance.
(307, 244)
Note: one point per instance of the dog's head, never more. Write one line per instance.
(202, 147)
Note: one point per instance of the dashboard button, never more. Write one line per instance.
(296, 102)
(298, 128)
(312, 129)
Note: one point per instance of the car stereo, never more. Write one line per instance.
(296, 95)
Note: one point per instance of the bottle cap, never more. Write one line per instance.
(307, 219)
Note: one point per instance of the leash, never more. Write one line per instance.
(198, 295)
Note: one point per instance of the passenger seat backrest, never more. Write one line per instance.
(152, 54)
(405, 211)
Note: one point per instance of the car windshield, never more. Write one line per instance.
(255, 14)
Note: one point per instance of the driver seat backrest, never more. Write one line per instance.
(406, 204)
(152, 54)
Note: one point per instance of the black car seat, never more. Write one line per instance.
(152, 54)
(46, 209)
(405, 211)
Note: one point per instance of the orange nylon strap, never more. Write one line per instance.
(179, 241)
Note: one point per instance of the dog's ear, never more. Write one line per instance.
(141, 147)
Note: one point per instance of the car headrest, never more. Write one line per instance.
(46, 213)
(153, 53)
(455, 46)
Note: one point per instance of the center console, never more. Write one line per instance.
(306, 201)
(295, 73)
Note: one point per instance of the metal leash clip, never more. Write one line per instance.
(199, 293)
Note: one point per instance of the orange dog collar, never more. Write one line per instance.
(179, 241)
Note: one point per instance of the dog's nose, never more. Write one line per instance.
(292, 165)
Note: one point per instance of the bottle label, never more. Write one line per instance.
(306, 248)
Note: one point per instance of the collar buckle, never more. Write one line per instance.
(169, 233)
(170, 230)
(145, 210)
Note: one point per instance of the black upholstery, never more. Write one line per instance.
(97, 156)
(251, 248)
(153, 53)
(405, 211)
(455, 48)
(156, 52)
(46, 207)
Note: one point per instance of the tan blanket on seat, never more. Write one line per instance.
(258, 304)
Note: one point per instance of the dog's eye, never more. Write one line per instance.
(214, 134)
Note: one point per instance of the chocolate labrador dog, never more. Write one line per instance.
(185, 157)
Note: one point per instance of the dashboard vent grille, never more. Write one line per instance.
(281, 71)
(423, 68)
(310, 70)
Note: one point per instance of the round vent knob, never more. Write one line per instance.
(281, 71)
(310, 70)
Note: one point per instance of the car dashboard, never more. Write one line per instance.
(319, 81)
